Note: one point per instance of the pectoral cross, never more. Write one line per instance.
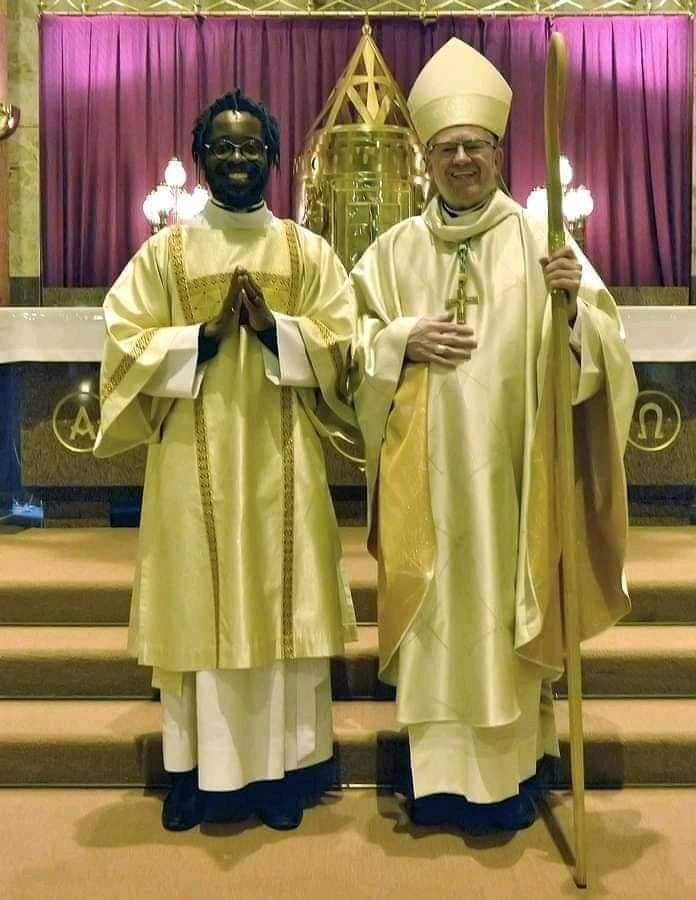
(461, 301)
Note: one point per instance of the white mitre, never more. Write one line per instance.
(458, 86)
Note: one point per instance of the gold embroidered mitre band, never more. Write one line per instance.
(458, 86)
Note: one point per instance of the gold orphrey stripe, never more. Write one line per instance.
(328, 338)
(127, 363)
(287, 426)
(176, 251)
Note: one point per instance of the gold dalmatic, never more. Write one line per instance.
(363, 168)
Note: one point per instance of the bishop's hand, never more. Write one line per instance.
(563, 272)
(439, 339)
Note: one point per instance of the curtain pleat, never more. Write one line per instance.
(119, 96)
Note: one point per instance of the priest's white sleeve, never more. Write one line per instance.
(179, 375)
(291, 368)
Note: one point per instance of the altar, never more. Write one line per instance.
(55, 355)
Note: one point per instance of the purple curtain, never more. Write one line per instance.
(628, 133)
(119, 96)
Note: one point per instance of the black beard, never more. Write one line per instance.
(234, 197)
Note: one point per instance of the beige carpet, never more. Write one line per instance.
(85, 575)
(92, 661)
(109, 845)
(73, 586)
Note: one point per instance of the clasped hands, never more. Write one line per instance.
(439, 339)
(243, 305)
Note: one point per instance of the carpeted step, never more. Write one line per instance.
(627, 742)
(639, 661)
(660, 568)
(92, 661)
(661, 572)
(70, 662)
(633, 662)
(84, 575)
(361, 570)
(101, 742)
(67, 575)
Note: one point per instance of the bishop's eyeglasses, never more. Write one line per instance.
(448, 149)
(224, 148)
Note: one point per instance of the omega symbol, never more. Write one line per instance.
(656, 422)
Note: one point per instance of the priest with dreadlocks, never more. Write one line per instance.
(225, 352)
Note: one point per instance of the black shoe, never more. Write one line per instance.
(512, 814)
(227, 806)
(310, 782)
(435, 809)
(184, 806)
(278, 807)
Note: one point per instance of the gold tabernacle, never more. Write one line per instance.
(362, 169)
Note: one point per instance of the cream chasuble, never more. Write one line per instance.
(460, 473)
(239, 557)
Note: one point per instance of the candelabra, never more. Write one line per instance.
(170, 202)
(577, 203)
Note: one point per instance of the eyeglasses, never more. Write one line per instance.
(224, 148)
(471, 148)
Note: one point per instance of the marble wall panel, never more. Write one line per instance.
(25, 235)
(45, 460)
(650, 296)
(23, 9)
(70, 296)
(662, 440)
(660, 454)
(25, 291)
(23, 69)
(23, 58)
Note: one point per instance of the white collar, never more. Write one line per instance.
(219, 217)
(463, 216)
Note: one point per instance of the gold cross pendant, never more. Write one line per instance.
(459, 304)
(461, 301)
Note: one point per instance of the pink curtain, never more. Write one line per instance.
(120, 94)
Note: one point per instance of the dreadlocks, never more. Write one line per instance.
(238, 102)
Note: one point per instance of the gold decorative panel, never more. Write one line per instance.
(425, 9)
